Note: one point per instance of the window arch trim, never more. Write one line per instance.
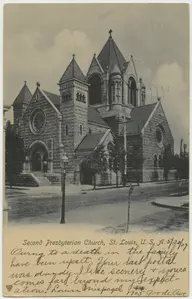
(132, 91)
(95, 81)
(155, 160)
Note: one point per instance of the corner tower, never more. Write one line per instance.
(74, 109)
(21, 102)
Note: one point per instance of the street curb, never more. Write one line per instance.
(134, 185)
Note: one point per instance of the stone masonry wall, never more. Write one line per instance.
(150, 146)
(74, 114)
(50, 131)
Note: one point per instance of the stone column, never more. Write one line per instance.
(50, 167)
(24, 167)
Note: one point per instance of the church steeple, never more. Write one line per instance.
(110, 33)
(74, 109)
(111, 55)
(21, 102)
(73, 71)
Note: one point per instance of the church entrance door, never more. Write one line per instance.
(86, 176)
(39, 158)
(36, 162)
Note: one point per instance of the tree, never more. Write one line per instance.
(116, 157)
(94, 162)
(167, 160)
(181, 164)
(14, 153)
(135, 160)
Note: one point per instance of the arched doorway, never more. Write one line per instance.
(132, 94)
(36, 162)
(38, 157)
(94, 90)
(86, 176)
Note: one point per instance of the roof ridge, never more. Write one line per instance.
(49, 100)
(22, 93)
(111, 54)
(145, 105)
(116, 55)
(109, 50)
(51, 92)
(73, 65)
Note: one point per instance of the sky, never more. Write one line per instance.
(39, 40)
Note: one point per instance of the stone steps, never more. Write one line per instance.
(43, 181)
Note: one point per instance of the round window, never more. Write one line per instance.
(159, 136)
(38, 121)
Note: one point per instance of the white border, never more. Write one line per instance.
(1, 88)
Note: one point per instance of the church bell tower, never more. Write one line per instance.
(74, 109)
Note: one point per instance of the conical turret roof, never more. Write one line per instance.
(72, 71)
(111, 55)
(24, 96)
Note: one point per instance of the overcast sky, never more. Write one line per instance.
(39, 40)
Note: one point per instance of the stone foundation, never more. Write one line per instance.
(154, 175)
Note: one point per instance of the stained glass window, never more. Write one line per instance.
(38, 121)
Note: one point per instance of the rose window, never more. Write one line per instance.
(38, 121)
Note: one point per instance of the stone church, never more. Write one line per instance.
(109, 102)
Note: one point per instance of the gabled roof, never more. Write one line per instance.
(48, 100)
(73, 71)
(24, 96)
(94, 117)
(115, 70)
(139, 116)
(111, 55)
(90, 141)
(55, 98)
(51, 98)
(95, 64)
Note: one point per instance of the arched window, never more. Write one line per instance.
(80, 129)
(160, 161)
(66, 130)
(132, 91)
(155, 160)
(94, 90)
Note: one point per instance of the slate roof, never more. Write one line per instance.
(73, 71)
(23, 96)
(111, 55)
(139, 116)
(55, 98)
(90, 141)
(94, 116)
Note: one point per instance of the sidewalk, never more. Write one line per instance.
(141, 185)
(45, 190)
(75, 189)
(173, 202)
